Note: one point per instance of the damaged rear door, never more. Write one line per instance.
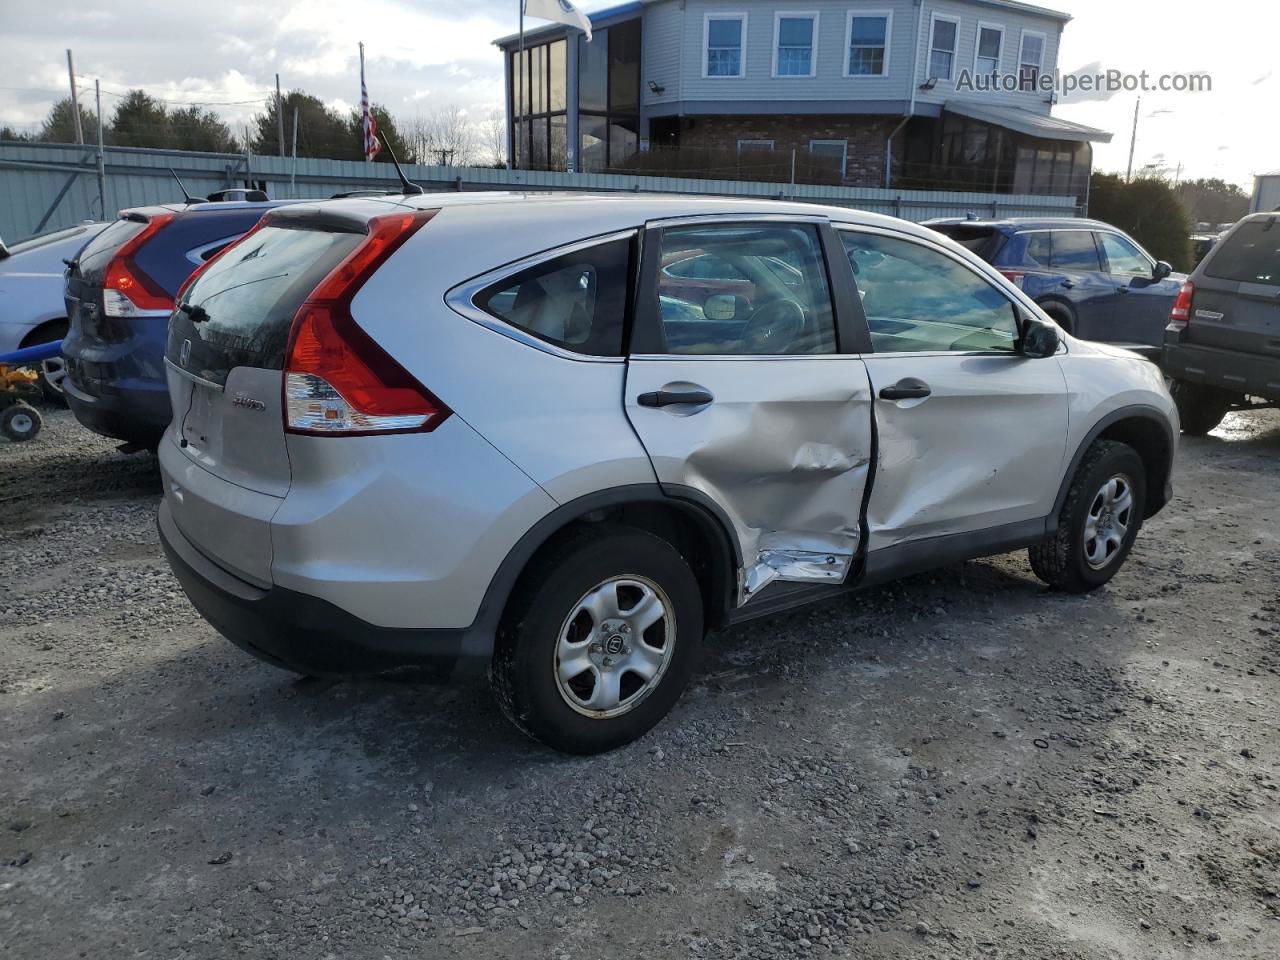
(740, 391)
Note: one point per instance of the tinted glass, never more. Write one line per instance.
(986, 242)
(591, 153)
(917, 299)
(1039, 250)
(703, 267)
(558, 90)
(577, 301)
(766, 294)
(248, 299)
(1123, 257)
(101, 248)
(593, 71)
(1075, 250)
(1250, 254)
(624, 67)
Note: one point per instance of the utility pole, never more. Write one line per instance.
(75, 99)
(1133, 141)
(293, 171)
(102, 163)
(279, 115)
(1177, 177)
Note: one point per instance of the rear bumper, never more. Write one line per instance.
(1245, 373)
(302, 633)
(135, 415)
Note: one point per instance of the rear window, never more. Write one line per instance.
(577, 301)
(44, 239)
(238, 313)
(1249, 254)
(100, 249)
(986, 242)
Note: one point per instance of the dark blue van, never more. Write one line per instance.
(120, 292)
(1093, 279)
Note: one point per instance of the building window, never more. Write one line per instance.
(1030, 59)
(793, 38)
(868, 43)
(723, 37)
(539, 94)
(836, 150)
(748, 145)
(986, 59)
(608, 97)
(942, 47)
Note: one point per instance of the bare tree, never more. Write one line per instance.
(494, 133)
(444, 136)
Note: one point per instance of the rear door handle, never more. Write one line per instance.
(667, 398)
(1068, 284)
(908, 388)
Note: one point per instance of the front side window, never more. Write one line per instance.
(942, 48)
(724, 46)
(1030, 59)
(1075, 250)
(987, 57)
(868, 44)
(793, 44)
(917, 299)
(766, 293)
(1123, 257)
(577, 301)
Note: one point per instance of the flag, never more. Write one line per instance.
(561, 11)
(368, 124)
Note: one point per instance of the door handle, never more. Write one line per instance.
(908, 388)
(1068, 284)
(1123, 289)
(667, 398)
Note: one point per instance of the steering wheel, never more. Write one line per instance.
(774, 327)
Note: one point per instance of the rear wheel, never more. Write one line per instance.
(1200, 408)
(599, 640)
(1099, 521)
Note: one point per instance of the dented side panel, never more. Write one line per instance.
(784, 448)
(986, 448)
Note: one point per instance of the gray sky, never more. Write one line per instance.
(428, 53)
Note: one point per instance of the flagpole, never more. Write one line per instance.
(363, 131)
(519, 111)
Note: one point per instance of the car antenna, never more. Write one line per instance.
(185, 196)
(409, 185)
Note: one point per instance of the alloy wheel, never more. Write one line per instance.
(1108, 521)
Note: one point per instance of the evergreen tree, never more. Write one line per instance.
(59, 126)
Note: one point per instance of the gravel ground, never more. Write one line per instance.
(959, 765)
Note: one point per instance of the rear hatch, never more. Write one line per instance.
(1236, 303)
(225, 459)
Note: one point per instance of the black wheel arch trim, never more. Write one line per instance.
(478, 639)
(1156, 498)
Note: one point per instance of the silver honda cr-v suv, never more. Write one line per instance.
(561, 437)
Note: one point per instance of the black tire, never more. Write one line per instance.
(1200, 408)
(1059, 315)
(20, 422)
(1060, 560)
(523, 673)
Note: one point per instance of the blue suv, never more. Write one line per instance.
(120, 292)
(1093, 279)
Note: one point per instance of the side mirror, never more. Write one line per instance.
(722, 306)
(1039, 339)
(1161, 270)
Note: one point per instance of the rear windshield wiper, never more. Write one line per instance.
(198, 314)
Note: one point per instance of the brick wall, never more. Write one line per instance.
(865, 137)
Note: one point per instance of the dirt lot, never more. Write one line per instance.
(959, 765)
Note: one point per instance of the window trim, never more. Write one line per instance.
(934, 17)
(844, 160)
(977, 44)
(1044, 49)
(1021, 303)
(461, 298)
(812, 16)
(741, 17)
(773, 144)
(848, 43)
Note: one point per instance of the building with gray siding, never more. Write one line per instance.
(859, 92)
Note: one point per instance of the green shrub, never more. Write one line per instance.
(1148, 210)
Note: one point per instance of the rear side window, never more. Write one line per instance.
(1075, 250)
(239, 312)
(986, 242)
(101, 248)
(1249, 254)
(1039, 250)
(577, 301)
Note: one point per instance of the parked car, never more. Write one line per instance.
(1222, 344)
(1094, 280)
(1201, 244)
(462, 430)
(32, 308)
(119, 294)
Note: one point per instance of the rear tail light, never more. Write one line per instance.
(127, 290)
(186, 284)
(338, 381)
(1180, 315)
(1016, 276)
